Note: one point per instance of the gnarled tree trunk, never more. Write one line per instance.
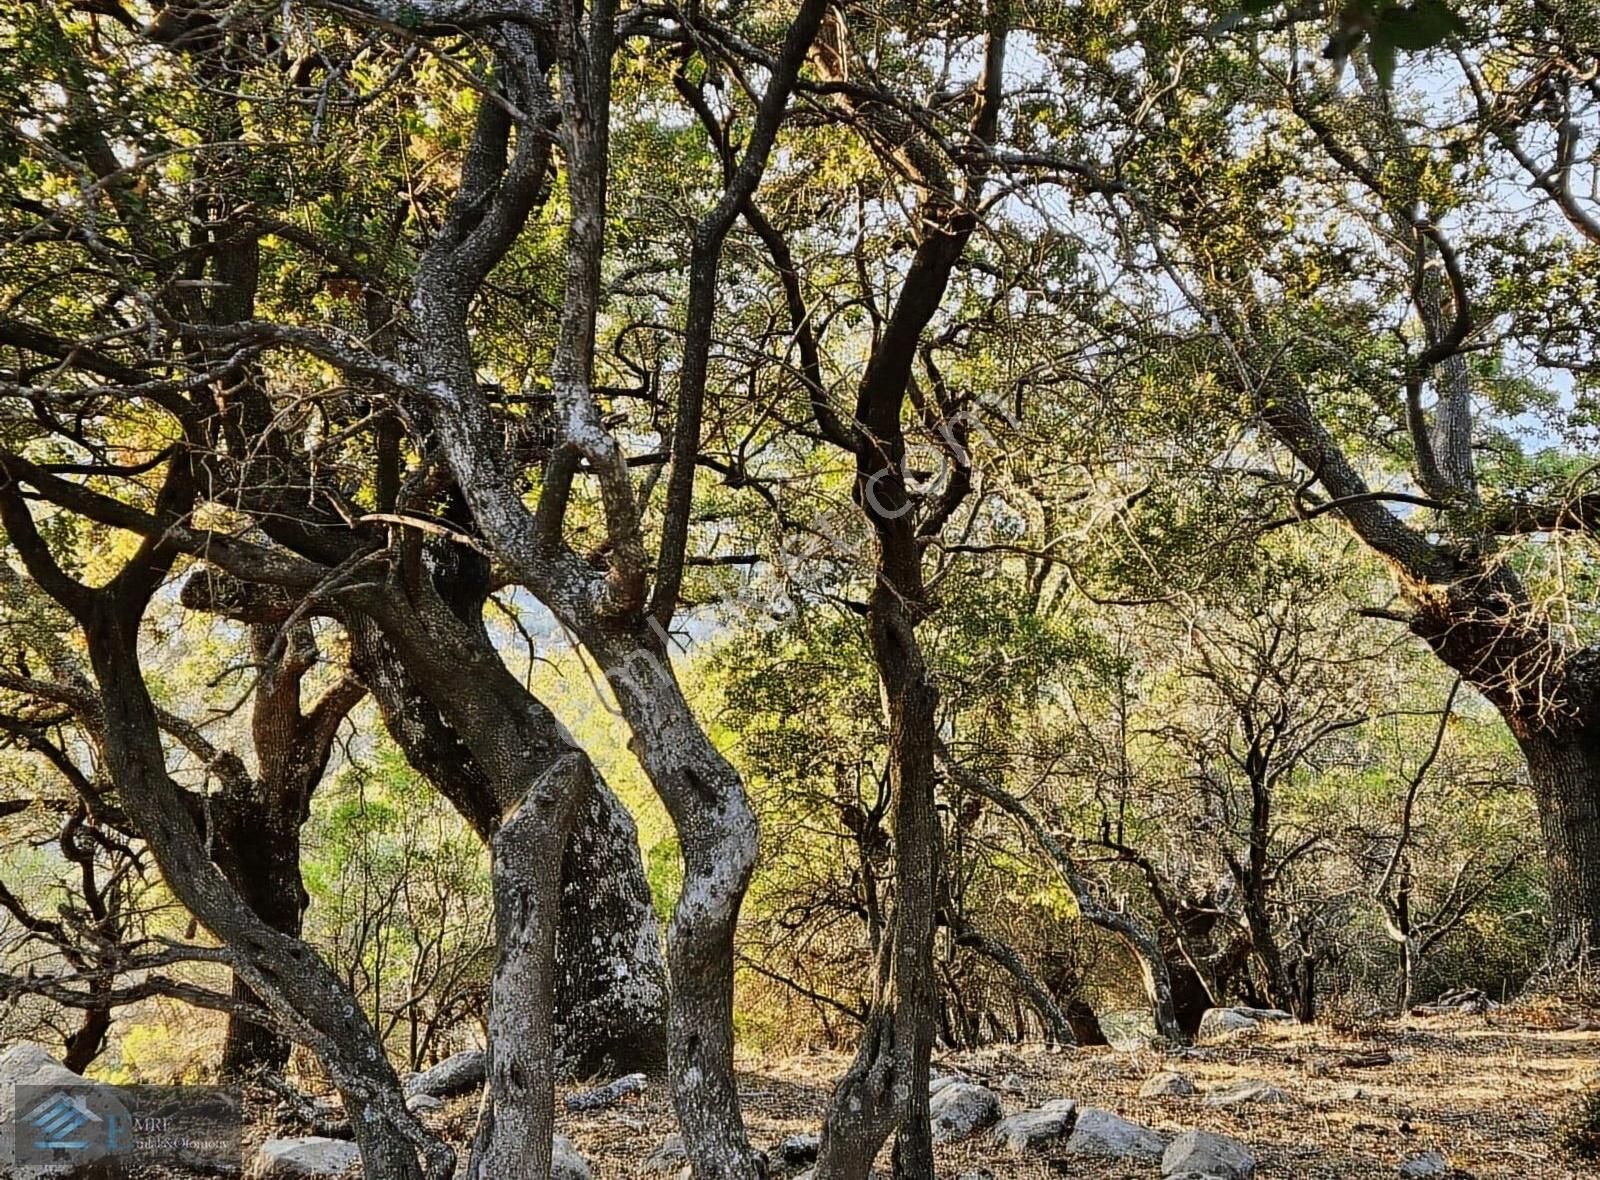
(610, 985)
(1564, 769)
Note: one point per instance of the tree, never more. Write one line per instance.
(1299, 324)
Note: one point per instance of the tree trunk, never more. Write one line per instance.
(886, 1086)
(1269, 957)
(611, 985)
(611, 993)
(298, 984)
(514, 1136)
(717, 833)
(84, 1044)
(258, 852)
(1565, 773)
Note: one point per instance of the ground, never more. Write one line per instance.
(1487, 1091)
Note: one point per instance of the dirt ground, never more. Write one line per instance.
(1487, 1091)
(1490, 1092)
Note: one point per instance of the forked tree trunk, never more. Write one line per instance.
(537, 780)
(1565, 774)
(610, 988)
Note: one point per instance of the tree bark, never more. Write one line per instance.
(717, 833)
(886, 1085)
(611, 982)
(610, 986)
(258, 851)
(1565, 773)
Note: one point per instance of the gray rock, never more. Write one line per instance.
(1030, 1129)
(1225, 1022)
(424, 1103)
(1101, 1133)
(28, 1064)
(797, 1150)
(454, 1075)
(1167, 1084)
(565, 1162)
(1246, 1093)
(669, 1157)
(1204, 1154)
(307, 1156)
(961, 1109)
(1426, 1166)
(936, 1084)
(1266, 1015)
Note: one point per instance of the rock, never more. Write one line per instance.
(669, 1157)
(609, 1094)
(1369, 1059)
(1011, 1084)
(1101, 1133)
(961, 1109)
(1266, 1015)
(1245, 1093)
(1466, 1001)
(424, 1103)
(454, 1075)
(1425, 1166)
(28, 1064)
(1203, 1154)
(938, 1083)
(1167, 1084)
(565, 1162)
(1223, 1022)
(798, 1150)
(307, 1156)
(1030, 1129)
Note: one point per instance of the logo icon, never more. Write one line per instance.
(59, 1120)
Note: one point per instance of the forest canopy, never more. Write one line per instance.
(626, 534)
